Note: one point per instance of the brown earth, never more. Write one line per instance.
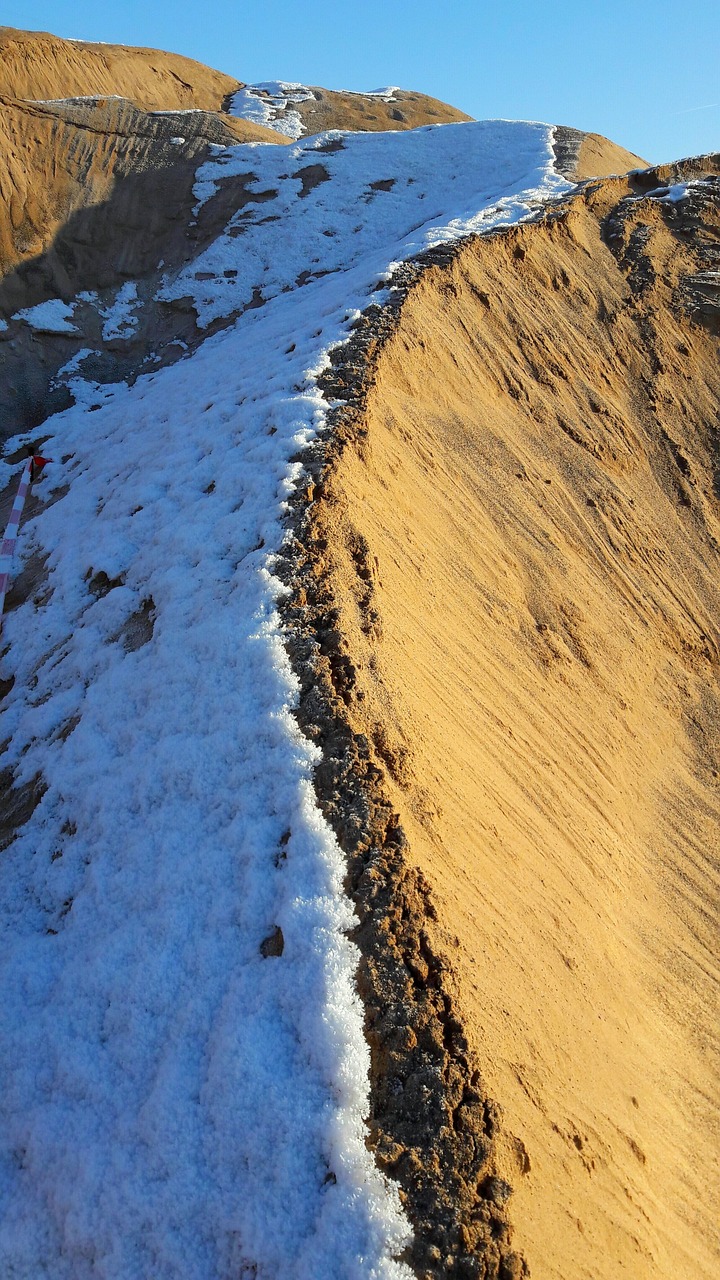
(506, 623)
(359, 111)
(35, 64)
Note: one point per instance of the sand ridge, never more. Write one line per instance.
(331, 109)
(519, 549)
(35, 64)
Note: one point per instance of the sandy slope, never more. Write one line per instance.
(520, 547)
(329, 109)
(35, 64)
(589, 155)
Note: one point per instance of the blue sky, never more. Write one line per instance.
(643, 73)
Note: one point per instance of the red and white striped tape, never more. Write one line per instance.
(7, 550)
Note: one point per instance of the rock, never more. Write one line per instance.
(274, 944)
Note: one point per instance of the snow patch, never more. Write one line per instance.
(121, 319)
(53, 316)
(266, 104)
(72, 365)
(668, 194)
(385, 95)
(385, 198)
(92, 97)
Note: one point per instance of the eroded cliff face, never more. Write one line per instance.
(507, 628)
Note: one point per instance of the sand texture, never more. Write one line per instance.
(329, 109)
(590, 155)
(512, 577)
(60, 158)
(35, 64)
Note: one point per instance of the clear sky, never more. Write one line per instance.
(645, 73)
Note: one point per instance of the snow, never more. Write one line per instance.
(449, 181)
(121, 319)
(386, 95)
(266, 104)
(90, 97)
(53, 316)
(667, 194)
(673, 193)
(175, 1104)
(72, 366)
(676, 192)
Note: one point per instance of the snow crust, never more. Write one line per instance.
(175, 1104)
(90, 97)
(673, 193)
(386, 95)
(666, 194)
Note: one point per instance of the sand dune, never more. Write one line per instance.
(35, 64)
(519, 541)
(329, 109)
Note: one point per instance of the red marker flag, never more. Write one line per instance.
(37, 465)
(32, 468)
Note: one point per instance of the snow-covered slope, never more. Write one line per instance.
(179, 1099)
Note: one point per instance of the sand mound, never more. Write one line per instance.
(516, 554)
(371, 113)
(34, 64)
(59, 156)
(590, 155)
(512, 559)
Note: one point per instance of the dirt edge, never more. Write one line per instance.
(432, 1126)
